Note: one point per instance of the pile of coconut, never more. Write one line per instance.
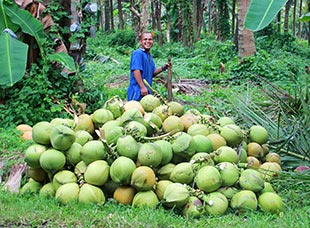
(154, 153)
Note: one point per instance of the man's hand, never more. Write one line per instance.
(144, 91)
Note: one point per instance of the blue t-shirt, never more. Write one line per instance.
(140, 60)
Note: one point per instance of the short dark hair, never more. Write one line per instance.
(141, 34)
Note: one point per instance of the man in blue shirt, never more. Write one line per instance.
(142, 67)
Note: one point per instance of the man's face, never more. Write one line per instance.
(146, 41)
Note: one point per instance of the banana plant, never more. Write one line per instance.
(261, 13)
(13, 51)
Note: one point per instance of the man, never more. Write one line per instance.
(142, 67)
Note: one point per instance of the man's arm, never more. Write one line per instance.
(161, 69)
(138, 77)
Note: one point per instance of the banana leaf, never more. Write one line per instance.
(64, 59)
(261, 13)
(5, 21)
(13, 60)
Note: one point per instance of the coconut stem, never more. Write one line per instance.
(292, 153)
(161, 136)
(155, 92)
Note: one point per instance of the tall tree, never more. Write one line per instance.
(120, 14)
(246, 41)
(286, 16)
(223, 28)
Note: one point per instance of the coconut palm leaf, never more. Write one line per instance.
(286, 118)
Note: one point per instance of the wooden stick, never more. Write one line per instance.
(169, 81)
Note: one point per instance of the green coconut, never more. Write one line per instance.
(176, 108)
(229, 173)
(73, 154)
(85, 122)
(188, 119)
(145, 199)
(225, 120)
(152, 122)
(121, 170)
(217, 140)
(115, 105)
(270, 202)
(176, 195)
(82, 137)
(62, 137)
(164, 172)
(198, 129)
(203, 144)
(80, 168)
(111, 124)
(166, 149)
(62, 177)
(149, 102)
(183, 173)
(270, 170)
(226, 154)
(31, 187)
(229, 192)
(208, 179)
(91, 194)
(101, 116)
(267, 188)
(37, 174)
(132, 114)
(251, 179)
(200, 160)
(193, 208)
(243, 201)
(97, 173)
(127, 146)
(143, 178)
(32, 155)
(216, 203)
(183, 146)
(92, 151)
(41, 133)
(52, 161)
(48, 190)
(161, 188)
(258, 134)
(150, 155)
(137, 129)
(232, 134)
(62, 121)
(111, 134)
(172, 123)
(67, 193)
(163, 111)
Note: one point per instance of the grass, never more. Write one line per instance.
(36, 211)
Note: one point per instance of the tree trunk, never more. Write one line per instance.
(286, 16)
(279, 21)
(233, 18)
(300, 23)
(107, 11)
(120, 14)
(294, 17)
(246, 41)
(145, 15)
(195, 18)
(111, 16)
(157, 18)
